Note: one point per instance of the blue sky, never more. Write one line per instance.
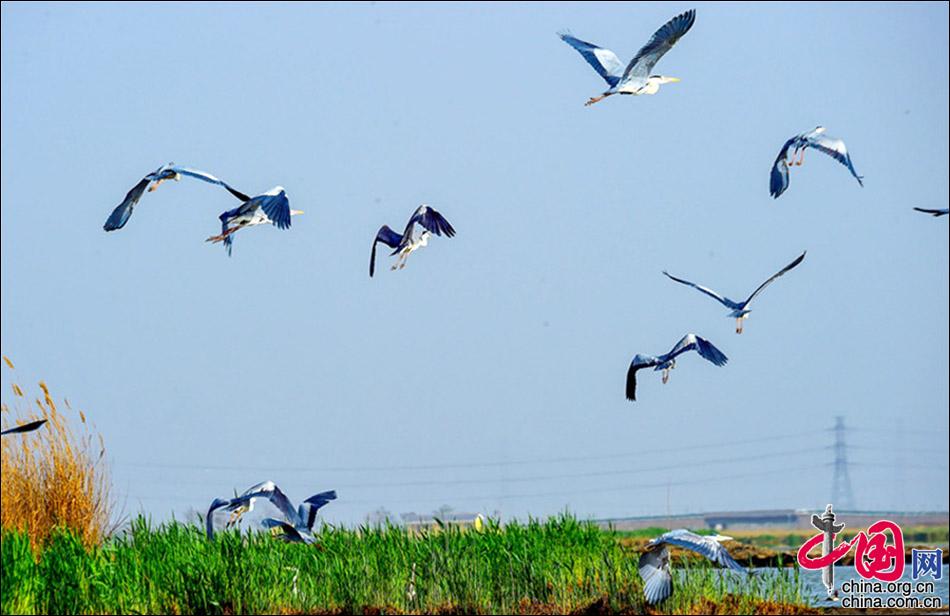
(487, 375)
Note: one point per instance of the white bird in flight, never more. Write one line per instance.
(739, 310)
(666, 362)
(635, 79)
(654, 563)
(273, 208)
(121, 214)
(406, 243)
(817, 139)
(297, 525)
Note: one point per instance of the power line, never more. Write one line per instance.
(616, 488)
(484, 464)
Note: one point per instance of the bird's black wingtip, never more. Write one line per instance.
(631, 389)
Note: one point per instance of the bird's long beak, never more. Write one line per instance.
(672, 79)
(296, 212)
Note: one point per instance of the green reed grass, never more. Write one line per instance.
(556, 565)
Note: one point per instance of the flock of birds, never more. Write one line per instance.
(273, 207)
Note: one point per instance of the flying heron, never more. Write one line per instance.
(297, 525)
(740, 310)
(942, 212)
(273, 207)
(635, 79)
(655, 561)
(689, 342)
(120, 215)
(27, 427)
(406, 243)
(796, 146)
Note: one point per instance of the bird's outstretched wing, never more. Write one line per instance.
(270, 491)
(27, 427)
(639, 362)
(778, 181)
(277, 207)
(834, 148)
(431, 220)
(386, 236)
(654, 567)
(216, 504)
(704, 546)
(725, 301)
(207, 177)
(661, 42)
(942, 212)
(120, 215)
(604, 61)
(307, 512)
(706, 350)
(791, 265)
(290, 533)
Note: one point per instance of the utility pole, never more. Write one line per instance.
(841, 494)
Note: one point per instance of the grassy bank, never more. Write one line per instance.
(560, 565)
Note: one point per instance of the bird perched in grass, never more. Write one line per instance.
(815, 138)
(666, 362)
(635, 79)
(121, 214)
(405, 243)
(654, 563)
(297, 525)
(739, 310)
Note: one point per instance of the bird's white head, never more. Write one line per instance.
(296, 212)
(819, 130)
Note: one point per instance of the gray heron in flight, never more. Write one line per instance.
(797, 145)
(27, 427)
(406, 243)
(273, 207)
(636, 78)
(654, 563)
(739, 310)
(297, 525)
(942, 212)
(121, 214)
(666, 362)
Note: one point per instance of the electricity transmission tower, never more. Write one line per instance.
(841, 494)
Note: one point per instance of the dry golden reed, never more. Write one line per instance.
(54, 476)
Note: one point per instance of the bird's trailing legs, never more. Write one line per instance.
(666, 375)
(801, 158)
(401, 261)
(595, 99)
(214, 239)
(739, 325)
